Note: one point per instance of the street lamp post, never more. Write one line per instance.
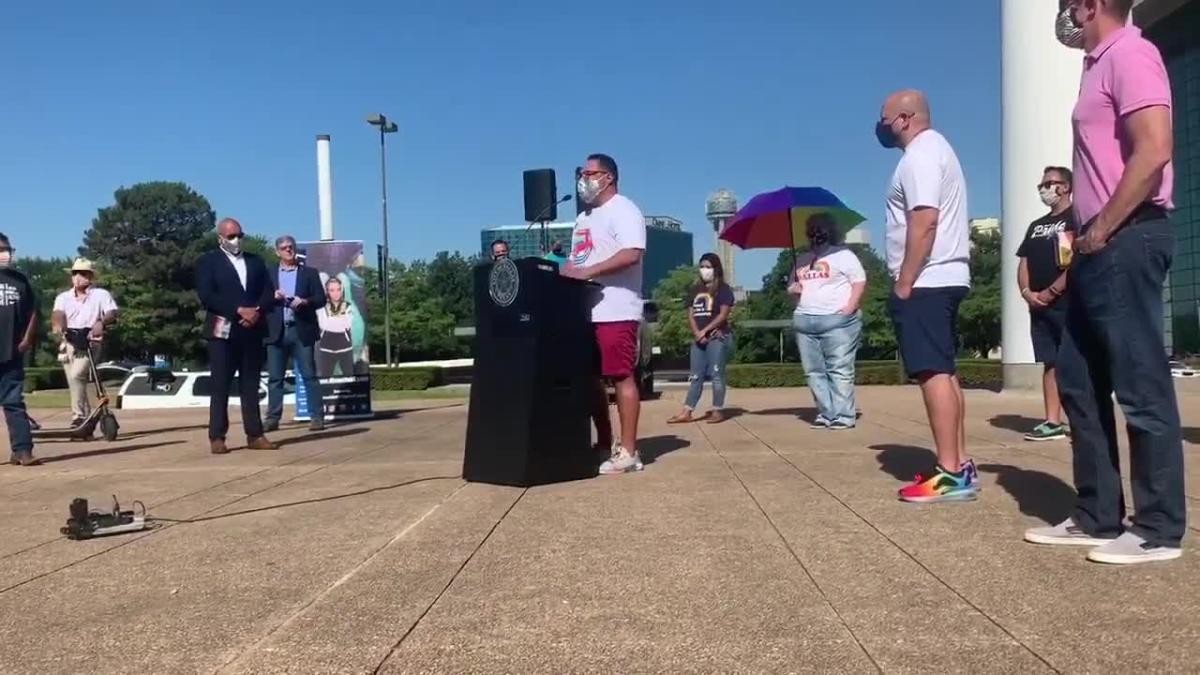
(386, 127)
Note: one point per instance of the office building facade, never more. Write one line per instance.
(668, 245)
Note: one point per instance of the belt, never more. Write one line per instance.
(1145, 212)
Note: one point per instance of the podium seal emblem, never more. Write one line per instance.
(504, 282)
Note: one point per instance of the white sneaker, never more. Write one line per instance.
(1066, 533)
(1130, 549)
(621, 461)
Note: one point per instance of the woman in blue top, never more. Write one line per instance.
(710, 303)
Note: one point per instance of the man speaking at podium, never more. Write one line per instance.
(607, 248)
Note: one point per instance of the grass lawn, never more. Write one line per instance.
(50, 398)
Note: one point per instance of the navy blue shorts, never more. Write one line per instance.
(927, 329)
(1046, 327)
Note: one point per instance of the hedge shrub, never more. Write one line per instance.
(973, 373)
(42, 378)
(407, 379)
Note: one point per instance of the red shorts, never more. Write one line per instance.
(618, 344)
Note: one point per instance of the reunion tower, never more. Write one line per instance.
(719, 209)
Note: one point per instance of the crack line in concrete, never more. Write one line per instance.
(792, 551)
(168, 526)
(453, 578)
(335, 585)
(898, 547)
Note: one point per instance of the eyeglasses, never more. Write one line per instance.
(287, 247)
(234, 237)
(1050, 184)
(590, 173)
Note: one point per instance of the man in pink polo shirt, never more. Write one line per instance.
(1114, 337)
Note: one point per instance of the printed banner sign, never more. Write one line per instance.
(342, 354)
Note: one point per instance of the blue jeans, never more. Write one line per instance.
(708, 361)
(828, 344)
(12, 398)
(1113, 343)
(289, 349)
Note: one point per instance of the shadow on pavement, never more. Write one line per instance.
(807, 414)
(902, 462)
(396, 413)
(323, 436)
(107, 450)
(1037, 493)
(139, 433)
(650, 449)
(1018, 423)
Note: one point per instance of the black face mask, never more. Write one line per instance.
(887, 138)
(818, 238)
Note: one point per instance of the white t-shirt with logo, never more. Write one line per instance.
(615, 225)
(84, 312)
(929, 175)
(825, 281)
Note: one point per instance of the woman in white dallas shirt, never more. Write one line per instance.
(829, 282)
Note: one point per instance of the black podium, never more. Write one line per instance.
(533, 378)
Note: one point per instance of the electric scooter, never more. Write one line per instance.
(101, 416)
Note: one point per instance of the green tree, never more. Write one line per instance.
(147, 243)
(773, 302)
(979, 315)
(49, 277)
(449, 278)
(878, 336)
(674, 334)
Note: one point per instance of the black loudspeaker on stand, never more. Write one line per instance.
(533, 380)
(541, 196)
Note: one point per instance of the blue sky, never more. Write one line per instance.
(688, 96)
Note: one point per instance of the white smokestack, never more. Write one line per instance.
(324, 187)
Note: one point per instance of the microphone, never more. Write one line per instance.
(565, 198)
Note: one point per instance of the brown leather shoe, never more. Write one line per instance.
(219, 447)
(716, 417)
(261, 443)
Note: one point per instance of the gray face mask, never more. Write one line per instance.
(1069, 33)
(232, 247)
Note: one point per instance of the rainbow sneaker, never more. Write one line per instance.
(941, 486)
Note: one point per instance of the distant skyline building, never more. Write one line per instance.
(668, 245)
(720, 207)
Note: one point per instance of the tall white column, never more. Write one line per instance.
(1039, 84)
(324, 188)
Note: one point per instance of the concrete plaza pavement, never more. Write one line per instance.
(756, 545)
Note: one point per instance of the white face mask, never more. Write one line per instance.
(1049, 195)
(707, 274)
(588, 189)
(6, 258)
(1069, 33)
(232, 247)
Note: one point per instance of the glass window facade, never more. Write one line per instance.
(1178, 38)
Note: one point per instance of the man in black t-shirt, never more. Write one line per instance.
(18, 329)
(1045, 256)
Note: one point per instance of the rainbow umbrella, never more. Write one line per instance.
(777, 219)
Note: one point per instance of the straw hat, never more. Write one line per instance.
(83, 265)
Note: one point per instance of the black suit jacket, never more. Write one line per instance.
(221, 292)
(308, 287)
